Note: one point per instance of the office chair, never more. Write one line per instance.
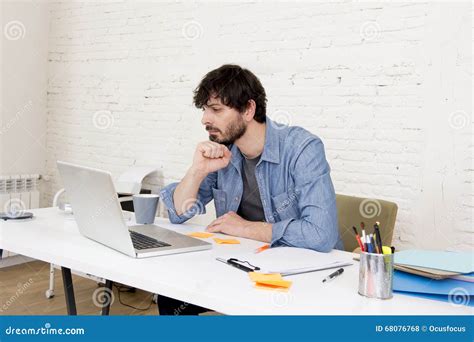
(351, 211)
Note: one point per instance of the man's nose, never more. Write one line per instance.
(206, 117)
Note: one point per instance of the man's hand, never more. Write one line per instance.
(230, 224)
(209, 157)
(233, 224)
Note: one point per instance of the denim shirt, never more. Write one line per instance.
(295, 187)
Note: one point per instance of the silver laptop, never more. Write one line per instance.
(99, 217)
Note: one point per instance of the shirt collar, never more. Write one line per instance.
(271, 148)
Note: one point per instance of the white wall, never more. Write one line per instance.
(24, 53)
(387, 86)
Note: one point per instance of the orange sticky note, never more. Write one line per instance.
(202, 235)
(269, 281)
(271, 287)
(277, 283)
(261, 277)
(227, 241)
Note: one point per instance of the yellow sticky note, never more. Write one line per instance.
(202, 235)
(272, 280)
(227, 241)
(260, 277)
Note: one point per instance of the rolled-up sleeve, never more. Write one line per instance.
(204, 196)
(317, 226)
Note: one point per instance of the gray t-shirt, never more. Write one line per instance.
(251, 207)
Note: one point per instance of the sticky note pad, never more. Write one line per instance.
(269, 281)
(227, 241)
(202, 235)
(260, 277)
(278, 283)
(271, 287)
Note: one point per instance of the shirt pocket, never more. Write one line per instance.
(285, 207)
(220, 201)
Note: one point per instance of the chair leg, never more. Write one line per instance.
(50, 291)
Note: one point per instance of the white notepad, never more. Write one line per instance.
(291, 261)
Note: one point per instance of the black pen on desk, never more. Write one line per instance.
(333, 275)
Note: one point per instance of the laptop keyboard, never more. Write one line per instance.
(141, 241)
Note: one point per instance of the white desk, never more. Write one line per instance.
(198, 278)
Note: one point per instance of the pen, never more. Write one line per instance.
(369, 244)
(358, 239)
(372, 242)
(262, 248)
(364, 237)
(333, 275)
(378, 238)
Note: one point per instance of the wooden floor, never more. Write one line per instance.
(22, 292)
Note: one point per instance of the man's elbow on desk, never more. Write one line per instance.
(304, 234)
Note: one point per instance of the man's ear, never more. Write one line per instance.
(249, 112)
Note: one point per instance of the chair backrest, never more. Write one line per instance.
(351, 211)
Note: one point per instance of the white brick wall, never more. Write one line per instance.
(387, 86)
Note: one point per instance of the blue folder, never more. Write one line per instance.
(455, 291)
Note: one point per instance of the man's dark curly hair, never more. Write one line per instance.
(235, 86)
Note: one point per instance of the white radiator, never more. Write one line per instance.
(18, 193)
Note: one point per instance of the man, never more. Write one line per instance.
(269, 182)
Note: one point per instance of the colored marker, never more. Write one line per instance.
(261, 249)
(358, 239)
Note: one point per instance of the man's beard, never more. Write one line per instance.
(234, 131)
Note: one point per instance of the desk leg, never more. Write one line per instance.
(69, 291)
(107, 297)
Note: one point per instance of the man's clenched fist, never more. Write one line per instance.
(210, 156)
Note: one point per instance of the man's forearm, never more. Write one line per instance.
(261, 231)
(185, 194)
